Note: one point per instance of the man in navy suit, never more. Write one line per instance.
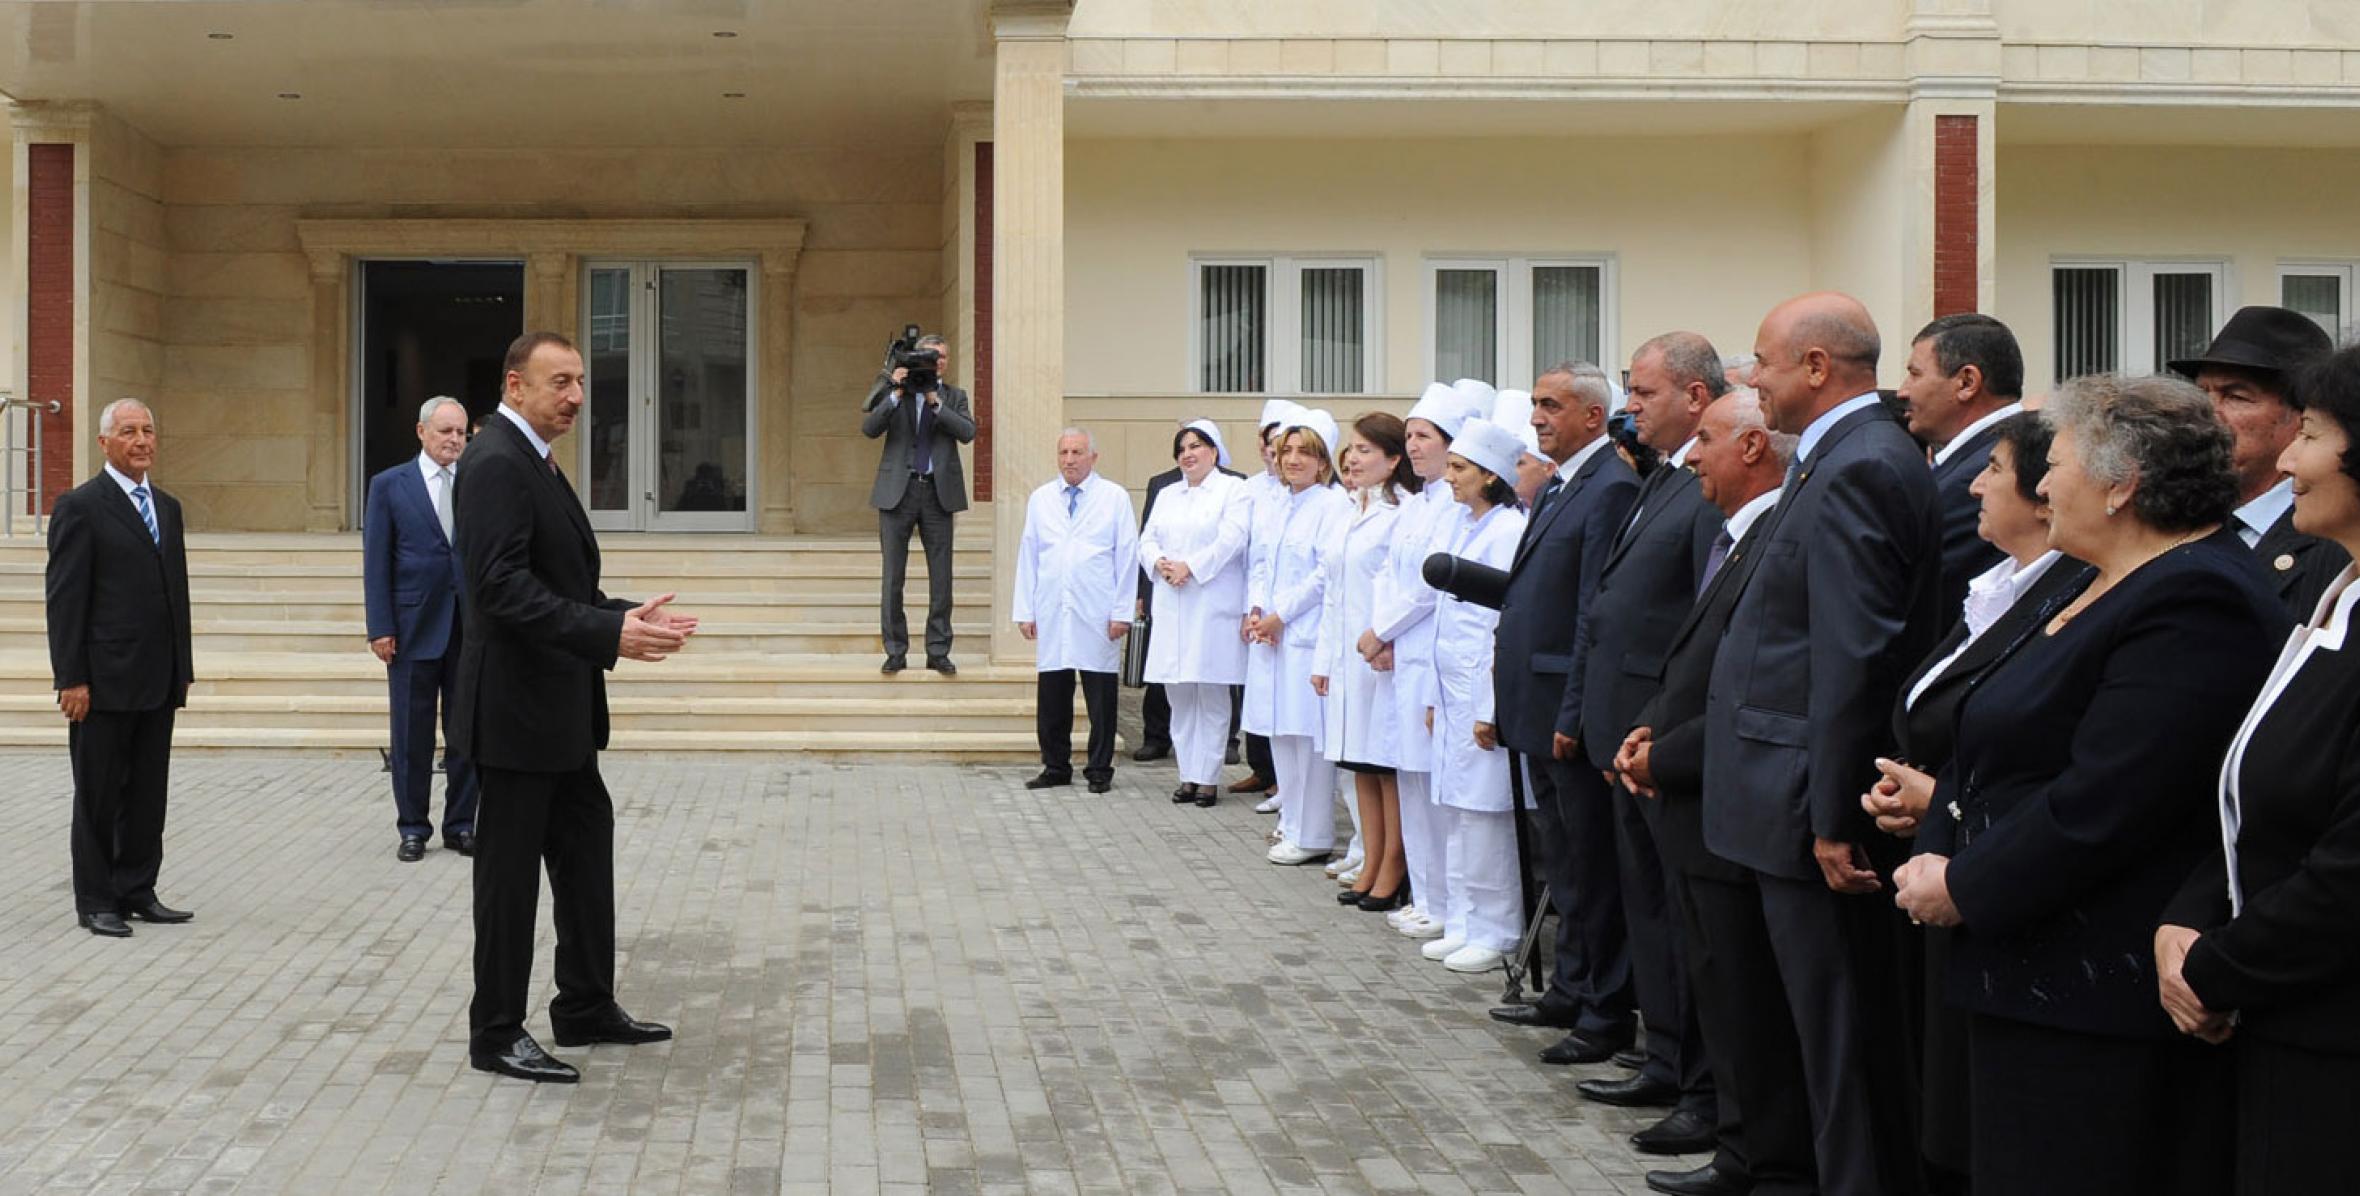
(1966, 374)
(1840, 603)
(411, 577)
(1538, 679)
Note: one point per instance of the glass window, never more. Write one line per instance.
(1232, 327)
(2183, 316)
(1334, 329)
(2318, 294)
(1466, 323)
(1567, 315)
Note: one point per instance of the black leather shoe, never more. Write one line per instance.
(1631, 1092)
(1578, 1047)
(413, 849)
(942, 665)
(1542, 1013)
(1102, 785)
(894, 664)
(1048, 780)
(618, 1027)
(525, 1060)
(156, 911)
(1683, 1131)
(1183, 795)
(1707, 1180)
(463, 842)
(105, 925)
(1151, 751)
(1207, 796)
(1629, 1059)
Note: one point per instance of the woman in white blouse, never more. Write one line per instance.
(1483, 914)
(1281, 626)
(1360, 720)
(1193, 550)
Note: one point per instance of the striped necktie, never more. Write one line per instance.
(147, 514)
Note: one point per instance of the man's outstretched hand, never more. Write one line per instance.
(651, 632)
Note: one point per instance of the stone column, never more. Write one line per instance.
(773, 397)
(326, 442)
(1953, 54)
(1028, 278)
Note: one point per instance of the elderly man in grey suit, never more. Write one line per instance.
(920, 485)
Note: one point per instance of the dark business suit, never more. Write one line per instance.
(1965, 553)
(2286, 963)
(1645, 592)
(410, 581)
(2080, 799)
(1926, 734)
(920, 485)
(2300, 567)
(1839, 604)
(117, 608)
(1537, 692)
(530, 710)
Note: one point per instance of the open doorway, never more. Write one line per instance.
(429, 328)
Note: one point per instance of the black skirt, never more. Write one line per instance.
(1374, 770)
(2296, 1110)
(2062, 1113)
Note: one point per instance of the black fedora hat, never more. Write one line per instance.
(2272, 339)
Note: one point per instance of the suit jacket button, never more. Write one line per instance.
(2284, 562)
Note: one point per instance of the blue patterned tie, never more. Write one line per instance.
(147, 514)
(1073, 500)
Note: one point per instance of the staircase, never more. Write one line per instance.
(786, 660)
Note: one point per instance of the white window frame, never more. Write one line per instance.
(2344, 272)
(2134, 280)
(1513, 362)
(1282, 333)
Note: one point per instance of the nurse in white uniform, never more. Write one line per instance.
(1482, 920)
(1263, 489)
(1283, 598)
(1193, 550)
(1361, 725)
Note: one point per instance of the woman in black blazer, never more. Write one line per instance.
(2075, 806)
(2277, 963)
(2001, 604)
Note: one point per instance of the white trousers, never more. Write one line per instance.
(1200, 730)
(1306, 792)
(1348, 792)
(1484, 906)
(1424, 842)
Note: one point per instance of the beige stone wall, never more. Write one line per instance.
(240, 333)
(1706, 233)
(1718, 19)
(1858, 234)
(2253, 209)
(1134, 432)
(127, 283)
(12, 332)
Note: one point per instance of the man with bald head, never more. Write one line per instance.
(1842, 599)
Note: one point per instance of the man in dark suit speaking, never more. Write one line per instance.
(117, 605)
(920, 485)
(410, 580)
(530, 710)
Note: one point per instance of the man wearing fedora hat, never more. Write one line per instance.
(2246, 370)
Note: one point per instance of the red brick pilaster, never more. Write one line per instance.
(1957, 214)
(983, 321)
(49, 307)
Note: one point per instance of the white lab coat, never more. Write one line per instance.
(1073, 574)
(1206, 526)
(1299, 529)
(1402, 615)
(1467, 777)
(1359, 717)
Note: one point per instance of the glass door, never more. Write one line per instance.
(669, 413)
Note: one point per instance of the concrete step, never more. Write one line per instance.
(720, 637)
(273, 712)
(992, 746)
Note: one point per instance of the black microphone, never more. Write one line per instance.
(1467, 580)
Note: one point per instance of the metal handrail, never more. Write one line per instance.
(9, 490)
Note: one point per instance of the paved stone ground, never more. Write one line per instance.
(900, 978)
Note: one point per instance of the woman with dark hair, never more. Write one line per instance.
(2264, 943)
(1359, 707)
(2000, 605)
(1304, 527)
(1483, 910)
(1193, 549)
(2074, 805)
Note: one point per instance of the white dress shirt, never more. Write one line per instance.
(2324, 633)
(2255, 518)
(539, 445)
(1988, 597)
(1819, 427)
(1968, 433)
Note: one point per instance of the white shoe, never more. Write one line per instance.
(1349, 879)
(1398, 917)
(1474, 959)
(1441, 948)
(1348, 863)
(1423, 928)
(1268, 805)
(1291, 854)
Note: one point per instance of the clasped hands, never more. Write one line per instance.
(652, 633)
(1261, 628)
(1174, 573)
(2179, 1000)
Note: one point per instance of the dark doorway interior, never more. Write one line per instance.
(430, 328)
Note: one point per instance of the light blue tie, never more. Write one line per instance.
(1073, 500)
(147, 514)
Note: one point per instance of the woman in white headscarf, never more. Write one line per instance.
(1193, 550)
(1283, 597)
(1484, 913)
(1361, 727)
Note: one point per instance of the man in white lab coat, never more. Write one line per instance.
(1075, 591)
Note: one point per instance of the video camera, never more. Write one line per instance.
(923, 366)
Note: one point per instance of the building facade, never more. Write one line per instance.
(286, 224)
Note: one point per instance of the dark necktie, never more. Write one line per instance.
(1719, 556)
(922, 449)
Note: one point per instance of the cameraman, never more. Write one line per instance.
(919, 484)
